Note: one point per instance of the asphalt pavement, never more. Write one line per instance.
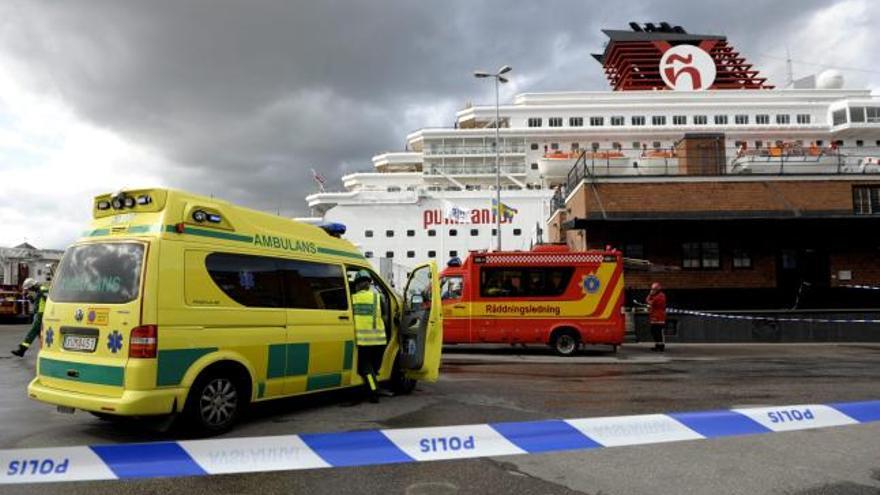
(502, 383)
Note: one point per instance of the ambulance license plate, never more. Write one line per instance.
(80, 343)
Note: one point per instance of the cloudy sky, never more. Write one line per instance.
(241, 99)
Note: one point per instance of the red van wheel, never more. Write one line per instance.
(565, 342)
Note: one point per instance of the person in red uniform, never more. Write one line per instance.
(656, 302)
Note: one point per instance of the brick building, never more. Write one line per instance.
(735, 242)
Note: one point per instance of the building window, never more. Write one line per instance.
(866, 200)
(597, 121)
(762, 119)
(658, 120)
(679, 120)
(554, 121)
(389, 254)
(636, 251)
(389, 233)
(517, 231)
(617, 120)
(741, 119)
(783, 118)
(637, 120)
(576, 122)
(432, 254)
(453, 253)
(453, 232)
(721, 120)
(368, 233)
(741, 259)
(432, 233)
(535, 122)
(534, 146)
(803, 118)
(368, 254)
(696, 255)
(410, 254)
(410, 233)
(475, 232)
(700, 120)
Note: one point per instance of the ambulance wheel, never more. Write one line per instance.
(565, 342)
(400, 384)
(216, 401)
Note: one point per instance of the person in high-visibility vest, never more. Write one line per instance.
(369, 331)
(38, 295)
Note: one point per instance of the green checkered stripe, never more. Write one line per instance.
(286, 360)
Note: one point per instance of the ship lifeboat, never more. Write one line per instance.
(790, 157)
(557, 164)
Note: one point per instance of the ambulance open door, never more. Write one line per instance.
(421, 327)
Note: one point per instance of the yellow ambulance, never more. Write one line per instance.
(177, 303)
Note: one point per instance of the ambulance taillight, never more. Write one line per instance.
(144, 341)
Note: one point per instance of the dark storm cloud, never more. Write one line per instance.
(245, 97)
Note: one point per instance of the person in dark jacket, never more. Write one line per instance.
(37, 293)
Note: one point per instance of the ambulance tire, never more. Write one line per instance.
(565, 341)
(217, 399)
(400, 384)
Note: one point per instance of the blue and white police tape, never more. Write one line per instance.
(727, 316)
(372, 447)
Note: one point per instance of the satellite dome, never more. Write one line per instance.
(829, 79)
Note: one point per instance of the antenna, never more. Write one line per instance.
(789, 72)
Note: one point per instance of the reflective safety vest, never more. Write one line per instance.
(42, 293)
(369, 329)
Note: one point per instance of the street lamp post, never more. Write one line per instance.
(499, 78)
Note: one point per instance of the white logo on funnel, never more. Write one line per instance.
(687, 68)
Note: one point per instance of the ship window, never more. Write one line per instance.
(410, 254)
(700, 120)
(453, 188)
(758, 144)
(389, 254)
(534, 146)
(617, 146)
(679, 120)
(803, 118)
(554, 146)
(595, 146)
(432, 233)
(410, 233)
(873, 114)
(393, 189)
(494, 232)
(656, 145)
(876, 143)
(857, 114)
(819, 142)
(435, 188)
(517, 231)
(389, 233)
(475, 232)
(554, 121)
(453, 253)
(859, 143)
(432, 254)
(658, 120)
(368, 254)
(741, 119)
(636, 145)
(637, 120)
(617, 120)
(535, 122)
(866, 200)
(764, 119)
(783, 118)
(741, 259)
(576, 122)
(368, 233)
(575, 146)
(597, 121)
(721, 120)
(534, 166)
(453, 232)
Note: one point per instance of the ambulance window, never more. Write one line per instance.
(310, 285)
(99, 273)
(450, 287)
(252, 281)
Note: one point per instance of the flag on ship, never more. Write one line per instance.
(319, 179)
(507, 212)
(455, 213)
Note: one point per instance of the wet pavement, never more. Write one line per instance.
(501, 383)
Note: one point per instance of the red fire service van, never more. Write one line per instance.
(549, 295)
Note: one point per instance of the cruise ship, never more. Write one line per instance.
(435, 199)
